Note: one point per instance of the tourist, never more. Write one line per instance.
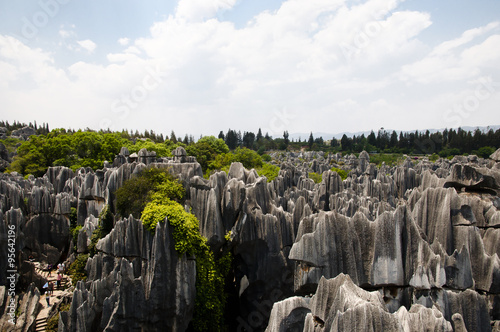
(59, 278)
(47, 298)
(51, 288)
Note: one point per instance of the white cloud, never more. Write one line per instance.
(206, 75)
(66, 32)
(197, 10)
(88, 45)
(452, 61)
(123, 41)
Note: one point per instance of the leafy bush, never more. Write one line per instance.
(74, 234)
(161, 149)
(249, 158)
(53, 322)
(316, 177)
(343, 174)
(210, 275)
(77, 268)
(222, 162)
(135, 193)
(434, 157)
(267, 158)
(206, 150)
(74, 150)
(445, 153)
(390, 159)
(485, 151)
(269, 171)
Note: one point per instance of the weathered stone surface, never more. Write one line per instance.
(19, 311)
(137, 281)
(58, 176)
(473, 178)
(429, 252)
(289, 315)
(23, 133)
(388, 251)
(495, 155)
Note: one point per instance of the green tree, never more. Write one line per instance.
(311, 140)
(133, 196)
(206, 150)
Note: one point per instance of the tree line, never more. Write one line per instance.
(444, 143)
(89, 148)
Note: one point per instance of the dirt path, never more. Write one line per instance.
(41, 318)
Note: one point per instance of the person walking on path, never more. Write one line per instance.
(58, 282)
(60, 268)
(51, 288)
(47, 298)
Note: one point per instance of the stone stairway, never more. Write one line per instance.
(41, 318)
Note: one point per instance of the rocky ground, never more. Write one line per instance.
(407, 248)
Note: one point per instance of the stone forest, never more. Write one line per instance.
(321, 241)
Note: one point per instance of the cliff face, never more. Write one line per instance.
(393, 248)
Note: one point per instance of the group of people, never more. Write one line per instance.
(49, 286)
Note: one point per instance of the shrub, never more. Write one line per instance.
(269, 171)
(135, 193)
(389, 159)
(343, 174)
(316, 177)
(267, 158)
(485, 151)
(74, 234)
(210, 275)
(77, 268)
(249, 158)
(59, 148)
(206, 150)
(161, 149)
(53, 322)
(434, 157)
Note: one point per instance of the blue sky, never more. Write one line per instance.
(201, 66)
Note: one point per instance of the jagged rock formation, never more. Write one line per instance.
(23, 133)
(340, 305)
(19, 311)
(136, 281)
(409, 247)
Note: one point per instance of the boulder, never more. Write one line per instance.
(495, 155)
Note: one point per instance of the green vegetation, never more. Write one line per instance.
(449, 153)
(11, 144)
(249, 158)
(206, 150)
(59, 148)
(77, 268)
(135, 193)
(484, 152)
(74, 229)
(210, 274)
(269, 171)
(434, 157)
(390, 159)
(74, 234)
(266, 158)
(343, 174)
(317, 178)
(77, 149)
(53, 322)
(106, 221)
(162, 149)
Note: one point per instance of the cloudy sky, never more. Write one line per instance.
(201, 66)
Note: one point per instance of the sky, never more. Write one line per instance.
(201, 66)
